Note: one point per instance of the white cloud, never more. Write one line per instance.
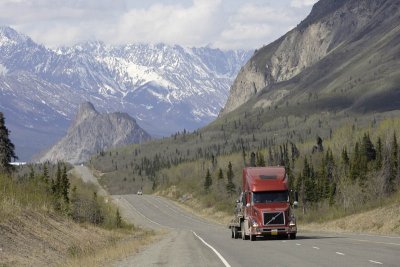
(220, 23)
(302, 3)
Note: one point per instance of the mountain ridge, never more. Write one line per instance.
(183, 86)
(91, 132)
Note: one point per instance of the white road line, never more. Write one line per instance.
(340, 253)
(283, 241)
(297, 244)
(317, 248)
(376, 262)
(213, 249)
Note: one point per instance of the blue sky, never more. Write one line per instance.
(226, 24)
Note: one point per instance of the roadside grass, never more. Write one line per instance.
(122, 244)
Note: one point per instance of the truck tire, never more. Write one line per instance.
(235, 233)
(232, 234)
(292, 236)
(242, 231)
(253, 237)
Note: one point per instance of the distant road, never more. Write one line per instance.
(194, 241)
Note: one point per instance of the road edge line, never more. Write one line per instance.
(225, 262)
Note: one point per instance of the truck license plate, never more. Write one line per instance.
(274, 232)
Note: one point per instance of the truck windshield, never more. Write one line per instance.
(270, 196)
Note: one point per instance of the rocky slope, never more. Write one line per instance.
(337, 35)
(91, 132)
(166, 88)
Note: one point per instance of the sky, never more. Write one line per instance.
(225, 24)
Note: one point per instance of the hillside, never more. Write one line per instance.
(91, 132)
(343, 56)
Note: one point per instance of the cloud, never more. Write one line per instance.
(254, 25)
(171, 23)
(220, 23)
(302, 3)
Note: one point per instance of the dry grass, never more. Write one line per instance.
(39, 239)
(118, 250)
(384, 220)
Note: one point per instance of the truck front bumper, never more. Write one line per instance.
(274, 231)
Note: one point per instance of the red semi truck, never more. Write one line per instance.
(264, 207)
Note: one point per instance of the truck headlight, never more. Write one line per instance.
(255, 224)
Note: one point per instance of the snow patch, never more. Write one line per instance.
(3, 70)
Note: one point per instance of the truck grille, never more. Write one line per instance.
(274, 218)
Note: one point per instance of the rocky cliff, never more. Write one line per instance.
(91, 132)
(332, 25)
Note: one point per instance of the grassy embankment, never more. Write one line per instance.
(35, 232)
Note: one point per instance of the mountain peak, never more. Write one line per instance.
(9, 35)
(86, 110)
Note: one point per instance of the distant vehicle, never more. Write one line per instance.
(139, 193)
(264, 208)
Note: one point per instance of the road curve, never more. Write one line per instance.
(198, 242)
(194, 241)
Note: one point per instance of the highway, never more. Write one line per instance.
(194, 241)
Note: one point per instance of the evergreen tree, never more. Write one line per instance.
(45, 175)
(367, 148)
(31, 173)
(207, 181)
(260, 161)
(345, 157)
(252, 159)
(220, 174)
(394, 162)
(7, 153)
(230, 186)
(379, 157)
(65, 185)
(118, 219)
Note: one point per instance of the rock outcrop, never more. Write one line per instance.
(91, 132)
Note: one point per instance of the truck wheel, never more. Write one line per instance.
(242, 231)
(233, 235)
(292, 236)
(253, 237)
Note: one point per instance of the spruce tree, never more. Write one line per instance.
(207, 181)
(260, 161)
(252, 159)
(65, 185)
(379, 157)
(394, 162)
(7, 153)
(220, 174)
(230, 186)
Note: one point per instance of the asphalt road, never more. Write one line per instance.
(184, 246)
(194, 241)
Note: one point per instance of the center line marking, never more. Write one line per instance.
(316, 248)
(297, 244)
(376, 262)
(213, 249)
(340, 253)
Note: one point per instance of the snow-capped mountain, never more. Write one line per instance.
(166, 88)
